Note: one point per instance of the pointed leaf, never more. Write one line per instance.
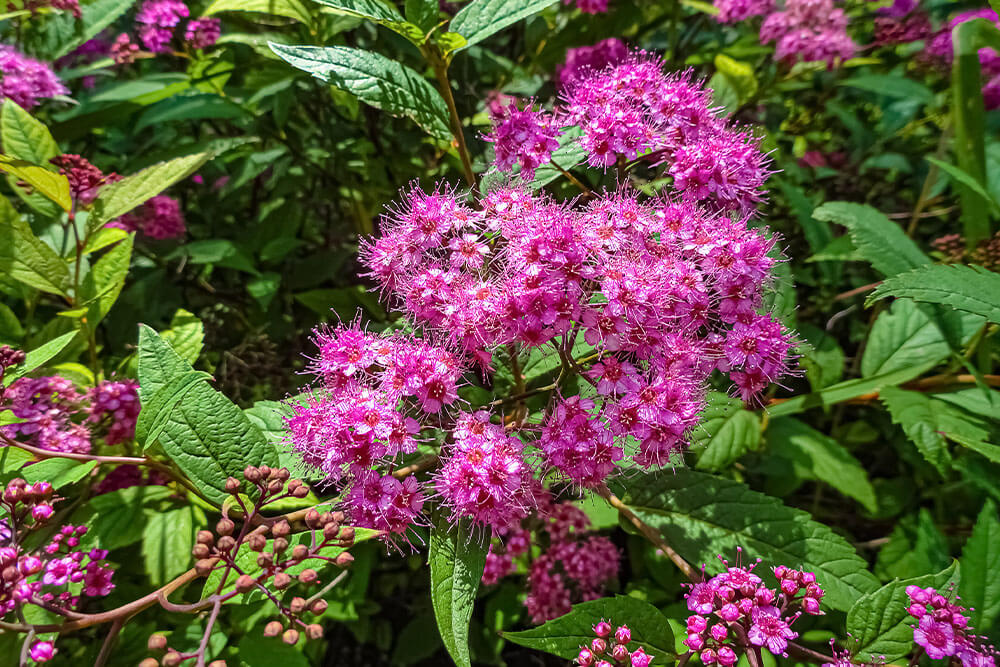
(23, 137)
(291, 9)
(726, 431)
(877, 238)
(457, 559)
(972, 289)
(26, 258)
(39, 357)
(481, 18)
(980, 587)
(51, 184)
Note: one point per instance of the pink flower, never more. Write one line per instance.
(42, 651)
(770, 630)
(202, 33)
(937, 638)
(97, 580)
(524, 137)
(25, 80)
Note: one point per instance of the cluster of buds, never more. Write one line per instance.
(281, 558)
(943, 629)
(953, 250)
(54, 575)
(611, 650)
(9, 357)
(735, 610)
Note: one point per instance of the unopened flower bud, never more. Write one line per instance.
(282, 474)
(30, 565)
(265, 471)
(623, 635)
(338, 516)
(273, 629)
(347, 534)
(330, 531)
(343, 559)
(171, 659)
(308, 577)
(217, 663)
(226, 543)
(257, 542)
(585, 658)
(251, 474)
(299, 552)
(290, 637)
(200, 551)
(281, 529)
(301, 492)
(312, 518)
(282, 580)
(275, 486)
(206, 537)
(314, 631)
(279, 545)
(232, 485)
(204, 566)
(225, 527)
(297, 605)
(598, 646)
(245, 583)
(42, 512)
(149, 662)
(318, 607)
(265, 559)
(157, 642)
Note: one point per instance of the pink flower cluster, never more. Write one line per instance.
(51, 410)
(943, 629)
(939, 50)
(589, 6)
(574, 565)
(733, 11)
(55, 574)
(809, 30)
(156, 25)
(525, 137)
(611, 650)
(25, 80)
(736, 610)
(585, 59)
(159, 218)
(85, 180)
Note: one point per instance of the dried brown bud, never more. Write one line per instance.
(206, 537)
(308, 576)
(273, 629)
(226, 543)
(232, 485)
(157, 642)
(299, 552)
(281, 529)
(204, 566)
(301, 492)
(200, 551)
(291, 637)
(279, 545)
(225, 527)
(318, 607)
(257, 542)
(171, 659)
(297, 605)
(245, 582)
(312, 518)
(282, 580)
(251, 474)
(314, 631)
(344, 559)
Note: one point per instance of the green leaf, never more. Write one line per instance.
(116, 518)
(879, 622)
(155, 412)
(52, 185)
(185, 335)
(739, 75)
(119, 198)
(877, 238)
(481, 18)
(379, 12)
(39, 357)
(565, 635)
(702, 515)
(166, 543)
(12, 459)
(376, 80)
(292, 9)
(898, 87)
(62, 32)
(206, 435)
(726, 431)
(972, 289)
(24, 137)
(221, 252)
(915, 413)
(256, 650)
(422, 13)
(105, 281)
(821, 457)
(980, 587)
(58, 472)
(915, 548)
(457, 559)
(906, 334)
(27, 259)
(963, 178)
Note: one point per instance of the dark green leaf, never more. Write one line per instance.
(726, 431)
(457, 559)
(980, 587)
(972, 289)
(39, 357)
(57, 472)
(915, 548)
(166, 543)
(877, 238)
(157, 410)
(481, 18)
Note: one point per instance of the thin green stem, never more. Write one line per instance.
(440, 67)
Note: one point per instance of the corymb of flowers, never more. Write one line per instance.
(552, 343)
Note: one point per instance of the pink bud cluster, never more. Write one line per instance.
(85, 180)
(735, 610)
(156, 25)
(733, 11)
(585, 59)
(27, 81)
(526, 137)
(574, 564)
(589, 6)
(943, 629)
(159, 218)
(609, 649)
(809, 30)
(55, 574)
(54, 415)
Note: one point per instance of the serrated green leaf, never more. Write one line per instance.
(907, 334)
(186, 335)
(376, 80)
(565, 635)
(879, 622)
(206, 435)
(379, 12)
(292, 9)
(422, 13)
(121, 197)
(105, 281)
(877, 238)
(915, 413)
(972, 289)
(39, 357)
(701, 516)
(51, 184)
(915, 548)
(23, 137)
(822, 458)
(980, 587)
(115, 519)
(481, 18)
(62, 32)
(167, 540)
(457, 559)
(726, 431)
(155, 412)
(27, 259)
(58, 472)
